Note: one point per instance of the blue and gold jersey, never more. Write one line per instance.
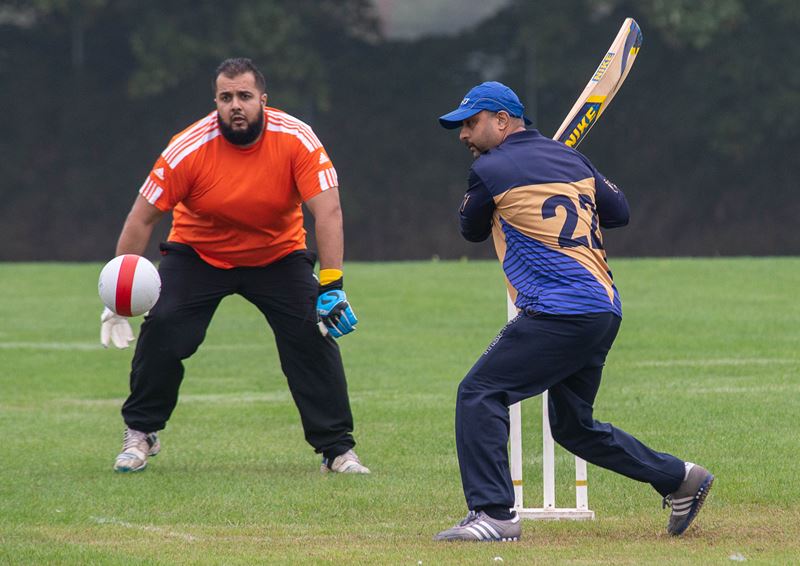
(544, 204)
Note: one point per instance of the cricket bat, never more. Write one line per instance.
(603, 85)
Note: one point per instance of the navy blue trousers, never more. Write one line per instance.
(565, 355)
(286, 293)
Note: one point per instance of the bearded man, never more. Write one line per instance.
(235, 182)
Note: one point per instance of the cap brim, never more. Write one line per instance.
(453, 120)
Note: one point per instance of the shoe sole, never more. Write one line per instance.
(133, 470)
(325, 470)
(703, 491)
(456, 539)
(350, 470)
(130, 470)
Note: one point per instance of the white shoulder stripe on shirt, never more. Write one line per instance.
(279, 116)
(195, 132)
(186, 150)
(281, 122)
(296, 122)
(307, 142)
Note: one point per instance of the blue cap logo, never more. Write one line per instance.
(490, 95)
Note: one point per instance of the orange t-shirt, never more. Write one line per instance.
(240, 207)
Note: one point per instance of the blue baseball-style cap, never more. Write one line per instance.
(490, 95)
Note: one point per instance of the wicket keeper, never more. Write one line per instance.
(544, 204)
(235, 181)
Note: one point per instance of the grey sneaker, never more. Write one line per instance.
(688, 499)
(347, 463)
(136, 447)
(481, 527)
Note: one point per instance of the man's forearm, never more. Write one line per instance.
(134, 238)
(138, 227)
(330, 241)
(328, 228)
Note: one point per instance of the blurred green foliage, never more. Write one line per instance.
(700, 137)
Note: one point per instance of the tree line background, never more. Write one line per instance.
(701, 138)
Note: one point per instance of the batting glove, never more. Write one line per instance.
(335, 313)
(114, 329)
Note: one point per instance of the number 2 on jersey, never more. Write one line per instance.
(566, 238)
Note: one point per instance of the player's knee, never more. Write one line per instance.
(475, 394)
(571, 429)
(162, 335)
(468, 389)
(562, 433)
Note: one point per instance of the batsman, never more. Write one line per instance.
(544, 204)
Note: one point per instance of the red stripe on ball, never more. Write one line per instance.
(127, 270)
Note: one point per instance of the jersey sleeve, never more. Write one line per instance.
(165, 187)
(477, 208)
(313, 171)
(612, 206)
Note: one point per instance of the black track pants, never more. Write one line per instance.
(565, 355)
(285, 292)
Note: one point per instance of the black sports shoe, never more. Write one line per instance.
(481, 527)
(687, 500)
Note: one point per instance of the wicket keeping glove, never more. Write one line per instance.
(114, 329)
(334, 311)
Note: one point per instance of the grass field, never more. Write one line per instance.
(706, 367)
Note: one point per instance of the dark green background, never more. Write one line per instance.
(702, 137)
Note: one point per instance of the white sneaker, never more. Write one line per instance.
(347, 463)
(136, 447)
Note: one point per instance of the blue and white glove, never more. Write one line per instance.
(335, 313)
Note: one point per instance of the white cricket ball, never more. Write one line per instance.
(129, 285)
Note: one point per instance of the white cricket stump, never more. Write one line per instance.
(548, 511)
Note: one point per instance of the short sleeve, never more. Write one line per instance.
(313, 171)
(165, 187)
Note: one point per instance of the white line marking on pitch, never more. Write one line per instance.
(715, 362)
(741, 390)
(50, 346)
(233, 398)
(88, 346)
(148, 528)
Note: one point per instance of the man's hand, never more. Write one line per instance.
(114, 329)
(335, 312)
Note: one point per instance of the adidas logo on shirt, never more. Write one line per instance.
(323, 158)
